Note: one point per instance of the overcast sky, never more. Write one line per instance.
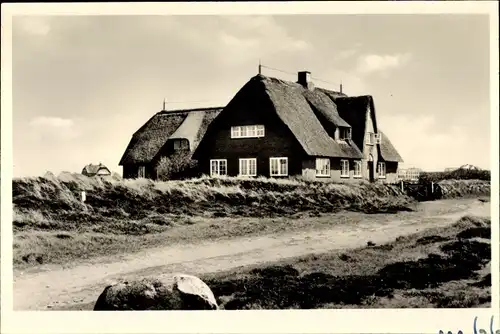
(82, 85)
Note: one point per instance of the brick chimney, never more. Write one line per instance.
(304, 79)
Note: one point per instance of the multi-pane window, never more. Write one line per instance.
(344, 168)
(322, 167)
(248, 167)
(247, 131)
(142, 172)
(181, 144)
(381, 169)
(370, 138)
(345, 133)
(357, 168)
(378, 138)
(278, 166)
(218, 167)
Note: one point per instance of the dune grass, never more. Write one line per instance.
(441, 267)
(465, 188)
(52, 225)
(138, 207)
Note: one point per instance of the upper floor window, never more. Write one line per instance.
(247, 131)
(370, 138)
(373, 138)
(345, 133)
(322, 167)
(181, 144)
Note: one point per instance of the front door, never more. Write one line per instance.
(371, 172)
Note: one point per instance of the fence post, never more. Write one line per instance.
(84, 196)
(402, 186)
(432, 187)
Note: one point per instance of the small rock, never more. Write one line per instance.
(194, 292)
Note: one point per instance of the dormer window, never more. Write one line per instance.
(181, 144)
(345, 133)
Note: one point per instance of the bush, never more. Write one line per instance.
(176, 166)
(459, 174)
(464, 188)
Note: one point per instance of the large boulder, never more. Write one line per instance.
(177, 292)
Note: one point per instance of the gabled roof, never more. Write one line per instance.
(146, 142)
(91, 170)
(294, 105)
(387, 151)
(310, 115)
(353, 110)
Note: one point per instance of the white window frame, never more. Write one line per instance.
(378, 138)
(247, 172)
(381, 170)
(320, 163)
(247, 131)
(349, 133)
(343, 164)
(141, 172)
(370, 138)
(278, 160)
(359, 171)
(218, 167)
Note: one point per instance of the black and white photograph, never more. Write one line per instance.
(268, 161)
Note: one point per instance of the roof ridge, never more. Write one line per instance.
(262, 76)
(167, 112)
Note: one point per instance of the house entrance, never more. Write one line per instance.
(371, 171)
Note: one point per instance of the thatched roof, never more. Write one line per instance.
(310, 114)
(294, 105)
(353, 110)
(387, 151)
(192, 121)
(146, 142)
(91, 170)
(324, 105)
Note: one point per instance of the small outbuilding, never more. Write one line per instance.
(96, 170)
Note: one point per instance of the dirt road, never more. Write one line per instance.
(78, 287)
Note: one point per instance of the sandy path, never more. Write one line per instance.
(63, 288)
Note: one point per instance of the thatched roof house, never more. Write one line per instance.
(274, 128)
(305, 130)
(161, 135)
(96, 170)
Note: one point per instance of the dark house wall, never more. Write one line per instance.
(131, 171)
(249, 108)
(309, 170)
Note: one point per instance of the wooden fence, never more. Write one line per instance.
(422, 191)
